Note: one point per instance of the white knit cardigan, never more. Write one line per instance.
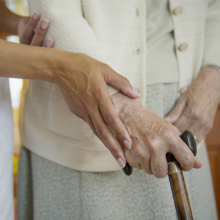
(112, 31)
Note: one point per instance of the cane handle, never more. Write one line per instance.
(189, 140)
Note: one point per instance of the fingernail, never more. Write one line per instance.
(36, 15)
(44, 24)
(127, 144)
(136, 92)
(49, 42)
(121, 162)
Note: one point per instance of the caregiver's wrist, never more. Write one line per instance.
(45, 64)
(63, 62)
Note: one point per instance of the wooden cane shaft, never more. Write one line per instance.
(180, 196)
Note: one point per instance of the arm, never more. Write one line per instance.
(77, 36)
(196, 108)
(20, 61)
(8, 20)
(82, 81)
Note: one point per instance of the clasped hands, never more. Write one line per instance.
(131, 132)
(153, 136)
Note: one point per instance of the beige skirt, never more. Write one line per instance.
(48, 191)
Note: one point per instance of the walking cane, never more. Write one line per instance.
(176, 178)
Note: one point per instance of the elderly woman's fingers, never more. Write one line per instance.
(159, 165)
(176, 112)
(182, 153)
(183, 122)
(40, 33)
(49, 43)
(198, 163)
(26, 33)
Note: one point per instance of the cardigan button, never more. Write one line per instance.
(177, 11)
(183, 46)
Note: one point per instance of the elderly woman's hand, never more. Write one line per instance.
(195, 109)
(152, 138)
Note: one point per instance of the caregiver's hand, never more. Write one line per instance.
(152, 138)
(195, 109)
(83, 84)
(27, 33)
(84, 87)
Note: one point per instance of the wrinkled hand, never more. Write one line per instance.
(152, 138)
(196, 108)
(83, 85)
(26, 31)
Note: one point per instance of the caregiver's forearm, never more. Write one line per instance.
(8, 20)
(21, 61)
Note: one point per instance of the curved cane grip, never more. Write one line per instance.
(127, 169)
(189, 140)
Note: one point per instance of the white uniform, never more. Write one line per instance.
(6, 152)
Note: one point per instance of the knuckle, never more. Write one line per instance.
(152, 141)
(125, 81)
(106, 68)
(154, 146)
(40, 33)
(188, 161)
(196, 112)
(168, 133)
(32, 23)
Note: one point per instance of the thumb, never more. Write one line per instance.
(198, 163)
(176, 112)
(120, 82)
